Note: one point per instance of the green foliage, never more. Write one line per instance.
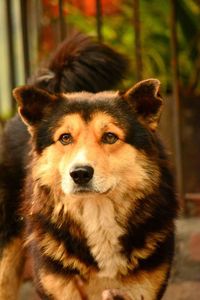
(118, 31)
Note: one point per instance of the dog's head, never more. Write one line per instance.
(94, 143)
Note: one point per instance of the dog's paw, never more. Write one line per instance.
(115, 294)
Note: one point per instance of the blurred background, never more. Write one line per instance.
(162, 40)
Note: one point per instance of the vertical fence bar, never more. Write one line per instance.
(99, 20)
(176, 107)
(24, 23)
(5, 81)
(62, 24)
(137, 31)
(10, 47)
(33, 37)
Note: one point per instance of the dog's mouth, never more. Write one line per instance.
(82, 190)
(88, 189)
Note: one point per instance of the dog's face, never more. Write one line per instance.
(89, 152)
(94, 143)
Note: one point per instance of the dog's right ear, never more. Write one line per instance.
(32, 103)
(146, 101)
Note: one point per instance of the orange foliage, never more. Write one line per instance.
(88, 7)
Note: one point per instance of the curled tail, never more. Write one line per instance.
(82, 64)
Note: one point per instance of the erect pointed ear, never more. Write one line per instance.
(33, 103)
(145, 99)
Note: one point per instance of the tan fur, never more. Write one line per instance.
(103, 232)
(11, 267)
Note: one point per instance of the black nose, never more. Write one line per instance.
(82, 175)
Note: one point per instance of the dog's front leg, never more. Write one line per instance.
(58, 287)
(11, 269)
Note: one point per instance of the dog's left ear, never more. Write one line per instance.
(33, 103)
(146, 101)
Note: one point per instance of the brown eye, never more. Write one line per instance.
(109, 138)
(66, 139)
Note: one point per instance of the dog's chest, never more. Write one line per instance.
(102, 233)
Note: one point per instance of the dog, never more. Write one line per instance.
(96, 202)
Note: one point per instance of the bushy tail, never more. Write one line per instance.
(82, 64)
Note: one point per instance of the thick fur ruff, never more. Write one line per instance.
(96, 204)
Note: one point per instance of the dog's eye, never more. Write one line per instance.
(66, 139)
(109, 138)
